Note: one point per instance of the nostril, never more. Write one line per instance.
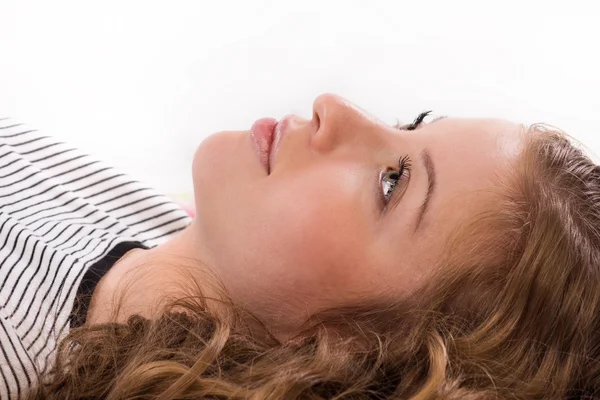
(316, 119)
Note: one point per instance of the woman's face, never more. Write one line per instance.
(326, 227)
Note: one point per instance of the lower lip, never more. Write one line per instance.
(262, 133)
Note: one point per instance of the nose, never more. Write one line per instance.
(338, 121)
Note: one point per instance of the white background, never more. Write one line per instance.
(141, 83)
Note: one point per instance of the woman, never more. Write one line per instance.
(337, 257)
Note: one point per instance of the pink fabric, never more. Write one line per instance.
(188, 208)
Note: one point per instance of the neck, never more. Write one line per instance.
(142, 280)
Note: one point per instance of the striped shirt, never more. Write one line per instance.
(65, 218)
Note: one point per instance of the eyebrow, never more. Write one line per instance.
(431, 181)
(431, 185)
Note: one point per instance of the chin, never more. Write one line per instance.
(222, 162)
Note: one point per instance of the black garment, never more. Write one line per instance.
(92, 277)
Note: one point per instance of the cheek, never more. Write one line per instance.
(301, 235)
(312, 230)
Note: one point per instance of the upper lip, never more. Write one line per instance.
(278, 134)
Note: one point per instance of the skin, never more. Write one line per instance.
(315, 232)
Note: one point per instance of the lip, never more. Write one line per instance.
(263, 133)
(277, 136)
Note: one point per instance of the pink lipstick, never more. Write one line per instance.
(262, 133)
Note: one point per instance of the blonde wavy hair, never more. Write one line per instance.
(513, 312)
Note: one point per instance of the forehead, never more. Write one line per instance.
(470, 158)
(477, 139)
(471, 153)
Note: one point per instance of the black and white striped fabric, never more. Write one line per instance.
(61, 212)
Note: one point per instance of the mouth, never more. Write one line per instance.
(263, 133)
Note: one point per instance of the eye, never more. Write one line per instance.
(390, 179)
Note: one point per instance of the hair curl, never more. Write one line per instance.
(514, 314)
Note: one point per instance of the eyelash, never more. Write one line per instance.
(415, 124)
(404, 163)
(404, 168)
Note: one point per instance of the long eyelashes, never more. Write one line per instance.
(415, 124)
(404, 164)
(395, 176)
(390, 179)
